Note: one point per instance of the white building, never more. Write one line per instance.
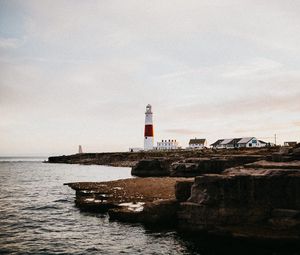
(167, 145)
(250, 142)
(290, 144)
(245, 142)
(197, 143)
(224, 144)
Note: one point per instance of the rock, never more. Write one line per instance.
(261, 203)
(152, 167)
(129, 159)
(197, 166)
(263, 164)
(296, 153)
(183, 190)
(159, 212)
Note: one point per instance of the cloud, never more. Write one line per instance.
(207, 67)
(183, 131)
(297, 123)
(247, 104)
(10, 43)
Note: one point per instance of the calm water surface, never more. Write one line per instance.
(38, 216)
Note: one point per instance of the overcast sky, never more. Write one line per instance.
(82, 72)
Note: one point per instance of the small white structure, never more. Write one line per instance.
(167, 145)
(148, 134)
(197, 143)
(135, 149)
(80, 149)
(290, 144)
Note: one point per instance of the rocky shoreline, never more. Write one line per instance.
(130, 159)
(251, 194)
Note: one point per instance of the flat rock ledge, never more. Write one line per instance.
(147, 200)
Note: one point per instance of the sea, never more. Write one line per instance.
(38, 216)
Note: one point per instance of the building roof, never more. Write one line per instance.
(262, 141)
(245, 140)
(197, 141)
(226, 141)
(217, 142)
(234, 140)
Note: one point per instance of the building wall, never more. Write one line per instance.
(253, 143)
(196, 146)
(148, 143)
(167, 145)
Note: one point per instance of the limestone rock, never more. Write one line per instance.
(197, 166)
(152, 167)
(247, 202)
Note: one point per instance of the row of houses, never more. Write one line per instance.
(243, 142)
(173, 144)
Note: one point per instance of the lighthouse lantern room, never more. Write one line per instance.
(148, 140)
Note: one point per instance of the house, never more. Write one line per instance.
(245, 142)
(233, 143)
(197, 143)
(250, 142)
(224, 143)
(264, 144)
(170, 144)
(290, 144)
(216, 143)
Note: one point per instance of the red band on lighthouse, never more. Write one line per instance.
(149, 130)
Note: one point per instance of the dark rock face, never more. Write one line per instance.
(197, 166)
(263, 205)
(183, 190)
(286, 154)
(152, 167)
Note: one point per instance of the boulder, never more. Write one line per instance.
(253, 203)
(197, 166)
(152, 167)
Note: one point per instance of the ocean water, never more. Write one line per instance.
(38, 216)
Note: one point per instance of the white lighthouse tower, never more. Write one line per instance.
(148, 140)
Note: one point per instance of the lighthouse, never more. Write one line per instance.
(148, 140)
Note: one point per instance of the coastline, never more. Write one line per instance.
(130, 159)
(248, 194)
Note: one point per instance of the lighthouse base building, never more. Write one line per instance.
(170, 144)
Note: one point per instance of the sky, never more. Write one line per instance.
(82, 72)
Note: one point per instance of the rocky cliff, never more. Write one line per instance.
(259, 201)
